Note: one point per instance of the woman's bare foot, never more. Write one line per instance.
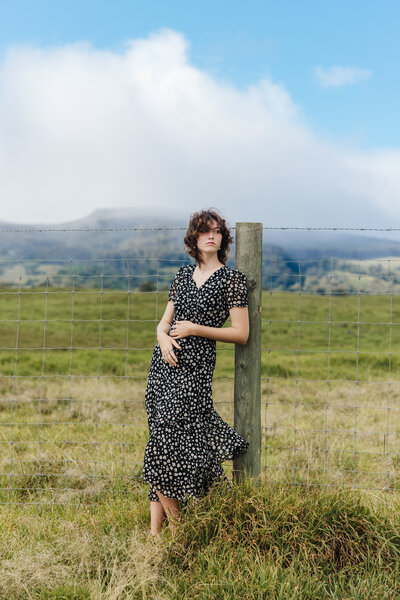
(158, 517)
(171, 508)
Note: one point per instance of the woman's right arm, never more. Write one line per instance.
(165, 341)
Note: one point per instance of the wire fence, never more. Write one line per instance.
(332, 383)
(74, 357)
(77, 335)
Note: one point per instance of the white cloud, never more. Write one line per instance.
(340, 76)
(82, 129)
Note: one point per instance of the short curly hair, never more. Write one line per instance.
(200, 223)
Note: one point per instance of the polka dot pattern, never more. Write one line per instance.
(188, 439)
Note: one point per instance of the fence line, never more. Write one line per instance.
(112, 229)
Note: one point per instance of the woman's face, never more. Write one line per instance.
(209, 242)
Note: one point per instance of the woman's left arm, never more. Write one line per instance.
(238, 333)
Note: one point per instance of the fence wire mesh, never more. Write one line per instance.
(74, 355)
(77, 335)
(330, 364)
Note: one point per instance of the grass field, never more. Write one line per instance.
(73, 428)
(73, 375)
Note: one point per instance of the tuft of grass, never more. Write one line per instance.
(333, 530)
(286, 542)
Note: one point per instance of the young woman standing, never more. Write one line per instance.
(188, 439)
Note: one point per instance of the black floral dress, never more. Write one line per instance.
(188, 439)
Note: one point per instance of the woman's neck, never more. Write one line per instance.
(211, 264)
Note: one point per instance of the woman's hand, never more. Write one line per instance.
(183, 329)
(166, 344)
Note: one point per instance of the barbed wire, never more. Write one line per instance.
(88, 229)
(117, 229)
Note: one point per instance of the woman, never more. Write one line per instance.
(188, 439)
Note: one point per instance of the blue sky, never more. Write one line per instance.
(242, 42)
(284, 112)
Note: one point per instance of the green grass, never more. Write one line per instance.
(355, 329)
(73, 428)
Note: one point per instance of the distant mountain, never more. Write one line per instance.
(126, 243)
(306, 245)
(32, 242)
(61, 241)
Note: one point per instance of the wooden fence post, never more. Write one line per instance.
(247, 395)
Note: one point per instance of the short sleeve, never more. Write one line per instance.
(174, 285)
(236, 290)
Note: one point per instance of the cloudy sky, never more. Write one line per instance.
(282, 112)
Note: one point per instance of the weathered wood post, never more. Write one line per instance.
(247, 395)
